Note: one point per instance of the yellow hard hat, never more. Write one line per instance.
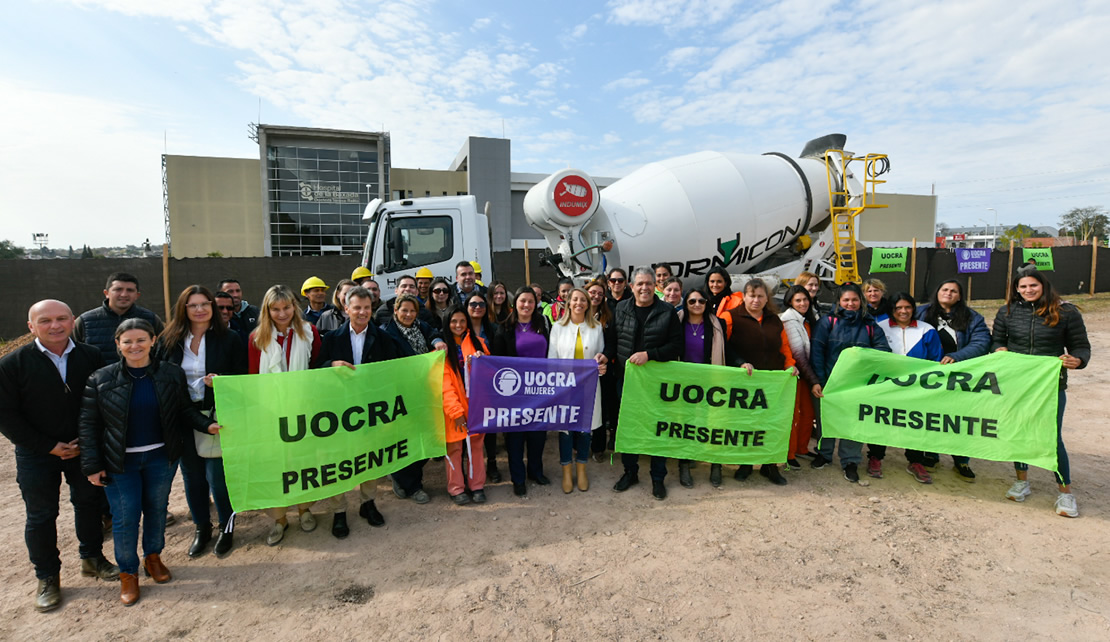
(312, 282)
(361, 272)
(424, 273)
(476, 265)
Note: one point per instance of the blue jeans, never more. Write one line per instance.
(851, 452)
(214, 470)
(516, 443)
(1064, 476)
(578, 442)
(39, 476)
(142, 489)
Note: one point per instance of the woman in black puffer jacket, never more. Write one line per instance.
(1035, 321)
(134, 416)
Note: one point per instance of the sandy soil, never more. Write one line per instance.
(817, 559)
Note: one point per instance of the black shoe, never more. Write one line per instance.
(851, 474)
(715, 475)
(49, 595)
(743, 472)
(793, 464)
(965, 473)
(493, 475)
(339, 526)
(771, 472)
(201, 539)
(684, 476)
(627, 480)
(224, 542)
(540, 479)
(520, 490)
(818, 462)
(658, 490)
(478, 497)
(370, 512)
(397, 490)
(100, 568)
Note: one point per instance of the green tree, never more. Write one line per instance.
(9, 250)
(215, 255)
(86, 253)
(1085, 222)
(1017, 234)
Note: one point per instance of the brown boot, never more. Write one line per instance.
(583, 481)
(128, 588)
(155, 569)
(568, 479)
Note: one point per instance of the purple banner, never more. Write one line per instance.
(973, 260)
(514, 394)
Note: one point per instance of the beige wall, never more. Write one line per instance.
(419, 181)
(908, 216)
(215, 206)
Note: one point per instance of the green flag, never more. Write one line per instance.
(1042, 256)
(1000, 407)
(706, 413)
(888, 259)
(294, 437)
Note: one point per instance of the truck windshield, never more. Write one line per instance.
(413, 241)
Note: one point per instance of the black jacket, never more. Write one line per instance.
(384, 313)
(661, 337)
(1018, 328)
(504, 336)
(378, 346)
(37, 408)
(103, 423)
(224, 354)
(393, 331)
(97, 327)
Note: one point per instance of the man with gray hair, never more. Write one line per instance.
(647, 329)
(40, 399)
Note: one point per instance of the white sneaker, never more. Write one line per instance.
(1019, 491)
(276, 534)
(308, 521)
(1065, 505)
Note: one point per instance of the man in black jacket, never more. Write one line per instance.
(245, 317)
(647, 329)
(40, 399)
(356, 342)
(97, 327)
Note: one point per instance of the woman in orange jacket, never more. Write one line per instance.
(462, 344)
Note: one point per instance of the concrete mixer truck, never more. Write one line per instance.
(768, 214)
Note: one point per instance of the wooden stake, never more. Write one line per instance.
(1009, 271)
(1094, 262)
(166, 279)
(969, 290)
(913, 266)
(527, 265)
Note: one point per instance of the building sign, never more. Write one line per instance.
(959, 237)
(318, 192)
(573, 195)
(973, 260)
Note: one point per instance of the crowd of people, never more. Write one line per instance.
(115, 402)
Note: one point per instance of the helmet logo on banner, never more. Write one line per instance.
(507, 382)
(573, 195)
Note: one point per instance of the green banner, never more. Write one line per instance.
(293, 437)
(706, 413)
(888, 259)
(1042, 256)
(1000, 407)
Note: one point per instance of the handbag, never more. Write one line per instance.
(208, 446)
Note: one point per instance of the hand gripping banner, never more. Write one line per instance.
(706, 413)
(1000, 407)
(516, 394)
(294, 437)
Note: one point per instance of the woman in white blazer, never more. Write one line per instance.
(578, 335)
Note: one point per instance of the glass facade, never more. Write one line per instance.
(317, 195)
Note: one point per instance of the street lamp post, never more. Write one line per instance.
(995, 242)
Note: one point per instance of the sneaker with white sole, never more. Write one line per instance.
(1065, 505)
(1019, 491)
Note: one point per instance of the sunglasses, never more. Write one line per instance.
(617, 280)
(695, 302)
(439, 291)
(226, 307)
(477, 304)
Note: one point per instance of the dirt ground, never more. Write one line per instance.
(817, 559)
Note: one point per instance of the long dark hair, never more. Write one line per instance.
(178, 328)
(811, 313)
(1047, 306)
(499, 315)
(958, 319)
(604, 314)
(537, 321)
(846, 288)
(715, 299)
(487, 318)
(430, 304)
(453, 349)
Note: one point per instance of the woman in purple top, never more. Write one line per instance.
(704, 342)
(525, 334)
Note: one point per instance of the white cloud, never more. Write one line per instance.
(631, 81)
(563, 111)
(667, 13)
(480, 23)
(548, 74)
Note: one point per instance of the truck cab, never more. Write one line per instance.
(433, 232)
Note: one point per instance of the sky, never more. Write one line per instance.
(989, 104)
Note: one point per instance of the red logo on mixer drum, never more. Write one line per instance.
(573, 195)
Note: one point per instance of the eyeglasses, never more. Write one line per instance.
(617, 280)
(197, 306)
(696, 302)
(477, 304)
(226, 307)
(440, 291)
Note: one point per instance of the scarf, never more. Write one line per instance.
(414, 337)
(272, 358)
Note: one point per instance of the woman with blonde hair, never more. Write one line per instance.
(283, 342)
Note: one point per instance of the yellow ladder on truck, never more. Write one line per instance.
(843, 213)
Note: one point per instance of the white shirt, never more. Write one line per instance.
(358, 341)
(59, 362)
(194, 365)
